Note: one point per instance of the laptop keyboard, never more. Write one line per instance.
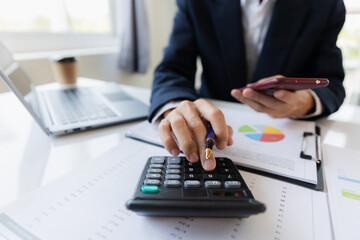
(79, 105)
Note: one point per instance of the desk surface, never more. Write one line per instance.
(30, 158)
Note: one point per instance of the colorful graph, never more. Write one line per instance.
(350, 184)
(262, 133)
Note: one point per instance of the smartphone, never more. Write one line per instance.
(292, 84)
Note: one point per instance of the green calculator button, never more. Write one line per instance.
(149, 189)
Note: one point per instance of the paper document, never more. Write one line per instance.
(343, 182)
(260, 142)
(89, 203)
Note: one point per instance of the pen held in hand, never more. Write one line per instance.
(210, 141)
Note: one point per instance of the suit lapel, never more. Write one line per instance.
(227, 22)
(287, 19)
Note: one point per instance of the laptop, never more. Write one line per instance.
(69, 110)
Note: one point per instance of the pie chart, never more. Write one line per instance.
(262, 133)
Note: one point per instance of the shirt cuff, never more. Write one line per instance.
(159, 114)
(318, 107)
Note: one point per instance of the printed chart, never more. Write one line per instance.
(350, 188)
(262, 133)
(342, 177)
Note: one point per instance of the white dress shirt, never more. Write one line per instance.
(256, 18)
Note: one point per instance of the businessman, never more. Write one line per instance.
(241, 42)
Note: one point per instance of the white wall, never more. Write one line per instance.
(104, 65)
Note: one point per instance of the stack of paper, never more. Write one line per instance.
(89, 203)
(343, 181)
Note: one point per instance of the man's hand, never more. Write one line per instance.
(187, 124)
(283, 104)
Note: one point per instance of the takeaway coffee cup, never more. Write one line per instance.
(65, 69)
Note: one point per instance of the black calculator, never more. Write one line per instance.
(174, 187)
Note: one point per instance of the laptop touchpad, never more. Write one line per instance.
(131, 108)
(117, 96)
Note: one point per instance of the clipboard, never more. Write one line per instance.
(319, 165)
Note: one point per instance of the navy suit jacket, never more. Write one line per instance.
(300, 42)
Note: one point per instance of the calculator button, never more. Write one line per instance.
(173, 166)
(149, 189)
(226, 170)
(156, 165)
(231, 177)
(192, 176)
(154, 182)
(154, 170)
(157, 160)
(190, 164)
(212, 184)
(172, 177)
(232, 184)
(192, 170)
(153, 175)
(211, 176)
(220, 159)
(210, 172)
(192, 183)
(172, 183)
(173, 171)
(173, 160)
(222, 165)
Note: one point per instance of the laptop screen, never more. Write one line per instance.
(18, 82)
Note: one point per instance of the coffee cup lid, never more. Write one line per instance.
(63, 58)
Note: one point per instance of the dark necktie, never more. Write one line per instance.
(260, 1)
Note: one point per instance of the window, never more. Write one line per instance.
(349, 42)
(45, 25)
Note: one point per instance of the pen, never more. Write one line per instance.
(210, 141)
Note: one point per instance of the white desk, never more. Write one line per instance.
(30, 158)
